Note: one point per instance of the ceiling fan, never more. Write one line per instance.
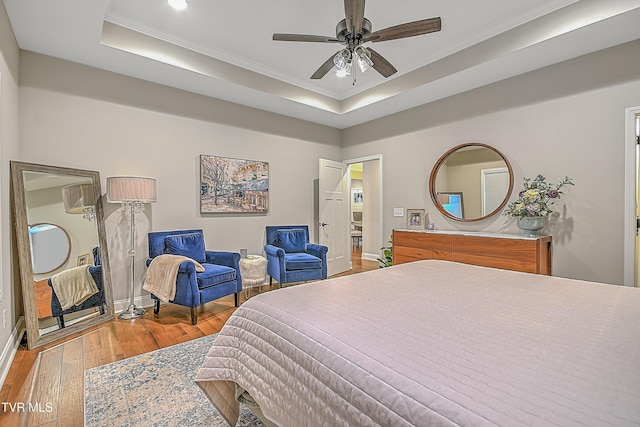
(353, 32)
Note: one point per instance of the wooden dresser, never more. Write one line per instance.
(506, 251)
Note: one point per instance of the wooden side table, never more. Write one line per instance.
(253, 270)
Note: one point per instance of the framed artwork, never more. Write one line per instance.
(356, 195)
(415, 219)
(230, 185)
(452, 202)
(83, 259)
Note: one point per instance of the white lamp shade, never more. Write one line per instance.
(77, 197)
(131, 189)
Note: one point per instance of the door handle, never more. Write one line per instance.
(322, 224)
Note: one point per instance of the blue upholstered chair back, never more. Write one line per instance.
(97, 258)
(272, 232)
(156, 240)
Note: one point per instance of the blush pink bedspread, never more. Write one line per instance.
(433, 343)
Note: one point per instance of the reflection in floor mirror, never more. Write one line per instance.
(62, 251)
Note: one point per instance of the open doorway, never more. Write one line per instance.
(356, 203)
(365, 208)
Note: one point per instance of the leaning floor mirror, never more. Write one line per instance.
(61, 249)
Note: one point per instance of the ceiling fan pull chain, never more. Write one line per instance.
(353, 72)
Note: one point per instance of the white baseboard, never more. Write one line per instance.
(10, 349)
(139, 301)
(370, 257)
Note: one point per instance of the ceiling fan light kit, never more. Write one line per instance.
(353, 32)
(363, 57)
(343, 60)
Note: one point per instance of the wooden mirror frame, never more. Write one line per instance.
(34, 338)
(436, 168)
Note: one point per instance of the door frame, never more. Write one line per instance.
(378, 157)
(630, 196)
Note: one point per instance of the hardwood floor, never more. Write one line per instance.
(51, 378)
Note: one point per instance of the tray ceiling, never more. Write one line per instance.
(224, 49)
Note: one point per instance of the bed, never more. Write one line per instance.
(432, 343)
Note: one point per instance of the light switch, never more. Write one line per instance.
(398, 211)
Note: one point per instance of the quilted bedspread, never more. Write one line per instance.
(433, 343)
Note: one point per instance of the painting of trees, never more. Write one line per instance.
(229, 185)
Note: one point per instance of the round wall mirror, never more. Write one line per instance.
(50, 247)
(471, 182)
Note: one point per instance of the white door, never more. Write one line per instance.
(637, 203)
(495, 184)
(631, 192)
(333, 207)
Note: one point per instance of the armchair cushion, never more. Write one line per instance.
(190, 245)
(214, 274)
(293, 240)
(302, 261)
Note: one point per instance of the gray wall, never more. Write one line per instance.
(566, 119)
(120, 126)
(11, 302)
(372, 240)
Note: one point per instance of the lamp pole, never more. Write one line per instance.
(132, 311)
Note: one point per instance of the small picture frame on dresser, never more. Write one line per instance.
(416, 219)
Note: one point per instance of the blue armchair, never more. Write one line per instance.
(290, 256)
(95, 300)
(221, 275)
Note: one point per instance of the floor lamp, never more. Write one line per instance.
(132, 192)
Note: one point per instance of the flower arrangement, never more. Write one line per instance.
(536, 198)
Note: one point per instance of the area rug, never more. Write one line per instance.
(154, 389)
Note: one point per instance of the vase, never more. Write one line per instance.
(530, 225)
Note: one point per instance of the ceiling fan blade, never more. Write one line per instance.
(324, 68)
(304, 38)
(381, 65)
(409, 29)
(354, 15)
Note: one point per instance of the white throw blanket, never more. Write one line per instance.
(73, 286)
(162, 274)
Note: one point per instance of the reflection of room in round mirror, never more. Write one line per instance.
(471, 182)
(50, 247)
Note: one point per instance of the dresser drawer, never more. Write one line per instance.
(508, 252)
(402, 254)
(496, 262)
(524, 250)
(438, 242)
